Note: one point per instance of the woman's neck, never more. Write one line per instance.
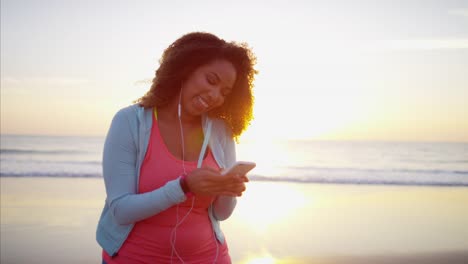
(169, 113)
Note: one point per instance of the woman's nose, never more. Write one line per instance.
(215, 94)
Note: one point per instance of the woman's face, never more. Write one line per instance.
(207, 87)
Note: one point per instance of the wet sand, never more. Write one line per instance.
(53, 220)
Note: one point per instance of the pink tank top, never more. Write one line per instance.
(150, 239)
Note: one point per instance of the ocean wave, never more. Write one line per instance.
(326, 180)
(35, 151)
(261, 178)
(349, 170)
(28, 162)
(51, 174)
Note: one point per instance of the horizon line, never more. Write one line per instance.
(251, 139)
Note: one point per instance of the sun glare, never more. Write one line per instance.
(266, 154)
(261, 260)
(314, 99)
(268, 204)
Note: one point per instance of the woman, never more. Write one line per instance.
(162, 156)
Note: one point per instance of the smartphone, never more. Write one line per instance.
(240, 168)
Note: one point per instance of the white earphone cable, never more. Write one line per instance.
(173, 236)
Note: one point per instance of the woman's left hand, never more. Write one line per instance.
(208, 181)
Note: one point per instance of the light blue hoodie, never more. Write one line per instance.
(124, 152)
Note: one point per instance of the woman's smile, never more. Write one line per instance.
(203, 102)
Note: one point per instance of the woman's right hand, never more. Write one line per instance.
(208, 181)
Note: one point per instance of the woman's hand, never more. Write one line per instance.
(208, 181)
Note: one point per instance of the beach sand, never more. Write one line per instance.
(53, 220)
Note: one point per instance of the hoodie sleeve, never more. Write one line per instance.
(224, 205)
(120, 175)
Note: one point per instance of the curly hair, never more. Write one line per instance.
(193, 50)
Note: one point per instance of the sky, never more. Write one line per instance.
(328, 70)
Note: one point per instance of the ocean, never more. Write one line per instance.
(302, 161)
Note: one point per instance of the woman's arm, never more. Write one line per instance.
(120, 175)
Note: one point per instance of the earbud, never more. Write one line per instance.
(179, 107)
(179, 110)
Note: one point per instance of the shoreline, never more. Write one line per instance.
(454, 257)
(285, 181)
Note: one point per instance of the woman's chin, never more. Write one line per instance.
(197, 110)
